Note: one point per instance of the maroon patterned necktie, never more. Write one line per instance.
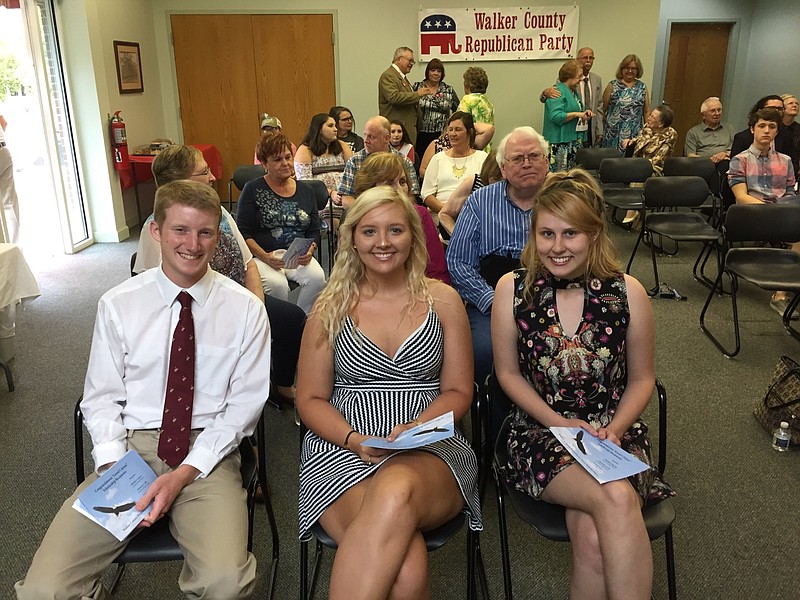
(406, 84)
(176, 424)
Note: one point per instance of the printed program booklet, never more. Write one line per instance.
(604, 460)
(299, 247)
(440, 428)
(111, 498)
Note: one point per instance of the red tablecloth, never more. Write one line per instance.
(144, 165)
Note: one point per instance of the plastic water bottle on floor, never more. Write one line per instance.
(781, 437)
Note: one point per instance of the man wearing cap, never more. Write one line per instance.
(396, 99)
(270, 124)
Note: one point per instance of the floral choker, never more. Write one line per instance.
(568, 284)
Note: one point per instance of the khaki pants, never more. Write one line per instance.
(208, 519)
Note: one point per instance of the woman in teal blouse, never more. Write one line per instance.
(565, 119)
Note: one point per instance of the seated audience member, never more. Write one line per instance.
(790, 109)
(711, 138)
(400, 141)
(491, 232)
(574, 346)
(474, 100)
(345, 122)
(490, 173)
(744, 139)
(233, 259)
(272, 212)
(125, 408)
(270, 125)
(322, 155)
(385, 349)
(483, 135)
(376, 139)
(448, 168)
(385, 168)
(760, 175)
(656, 140)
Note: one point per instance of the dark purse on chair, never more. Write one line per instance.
(782, 400)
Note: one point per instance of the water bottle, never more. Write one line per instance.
(781, 437)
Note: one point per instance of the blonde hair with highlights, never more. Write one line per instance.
(349, 277)
(576, 198)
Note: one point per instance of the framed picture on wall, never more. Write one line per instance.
(129, 67)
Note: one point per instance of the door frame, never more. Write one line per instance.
(173, 70)
(660, 78)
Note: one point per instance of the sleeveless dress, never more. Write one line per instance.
(624, 115)
(329, 170)
(581, 377)
(374, 393)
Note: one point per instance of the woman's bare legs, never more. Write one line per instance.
(377, 526)
(619, 536)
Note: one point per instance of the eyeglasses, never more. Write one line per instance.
(345, 118)
(519, 159)
(204, 172)
(411, 61)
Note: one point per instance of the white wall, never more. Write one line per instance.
(368, 32)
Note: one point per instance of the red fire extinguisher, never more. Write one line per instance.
(119, 143)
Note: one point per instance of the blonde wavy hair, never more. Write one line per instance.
(574, 197)
(349, 277)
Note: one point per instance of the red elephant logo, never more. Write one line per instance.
(438, 31)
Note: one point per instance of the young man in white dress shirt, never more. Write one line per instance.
(123, 407)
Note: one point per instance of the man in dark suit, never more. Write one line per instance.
(396, 99)
(590, 89)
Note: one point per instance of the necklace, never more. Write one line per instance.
(458, 172)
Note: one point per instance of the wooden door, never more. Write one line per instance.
(695, 70)
(233, 67)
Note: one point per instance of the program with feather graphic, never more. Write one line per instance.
(604, 460)
(110, 500)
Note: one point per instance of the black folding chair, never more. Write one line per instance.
(321, 195)
(589, 159)
(667, 194)
(434, 539)
(549, 520)
(774, 269)
(156, 543)
(616, 177)
(241, 175)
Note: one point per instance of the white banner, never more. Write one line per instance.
(461, 34)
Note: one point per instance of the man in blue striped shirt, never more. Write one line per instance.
(491, 232)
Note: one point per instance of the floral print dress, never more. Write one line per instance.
(580, 377)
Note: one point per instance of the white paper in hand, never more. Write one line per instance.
(440, 428)
(604, 460)
(298, 248)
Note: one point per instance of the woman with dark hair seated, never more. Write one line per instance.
(345, 123)
(574, 345)
(490, 173)
(272, 212)
(401, 141)
(233, 259)
(322, 156)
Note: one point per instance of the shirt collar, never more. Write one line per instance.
(709, 128)
(199, 291)
(757, 153)
(396, 68)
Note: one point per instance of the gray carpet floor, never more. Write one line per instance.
(736, 535)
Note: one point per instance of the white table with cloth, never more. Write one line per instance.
(16, 283)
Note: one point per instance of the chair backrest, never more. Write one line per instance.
(244, 173)
(763, 223)
(319, 189)
(590, 158)
(693, 165)
(680, 190)
(625, 170)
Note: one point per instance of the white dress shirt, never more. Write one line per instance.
(127, 373)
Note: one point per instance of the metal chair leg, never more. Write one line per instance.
(9, 376)
(501, 518)
(712, 292)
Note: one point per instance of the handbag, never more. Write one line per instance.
(782, 400)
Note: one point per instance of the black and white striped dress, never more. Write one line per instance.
(374, 393)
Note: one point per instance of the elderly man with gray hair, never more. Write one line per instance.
(396, 100)
(711, 138)
(491, 232)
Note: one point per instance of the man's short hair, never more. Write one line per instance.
(762, 103)
(525, 131)
(381, 122)
(766, 114)
(400, 52)
(175, 163)
(704, 105)
(184, 192)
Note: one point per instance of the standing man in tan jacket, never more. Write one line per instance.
(396, 99)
